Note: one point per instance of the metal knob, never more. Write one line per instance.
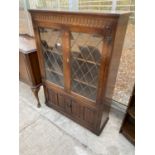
(67, 60)
(69, 105)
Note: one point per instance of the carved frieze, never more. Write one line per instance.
(74, 20)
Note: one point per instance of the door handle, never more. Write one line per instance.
(67, 60)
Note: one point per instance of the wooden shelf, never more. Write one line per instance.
(128, 130)
(52, 51)
(77, 80)
(87, 61)
(85, 83)
(50, 70)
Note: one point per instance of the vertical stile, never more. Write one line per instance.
(66, 60)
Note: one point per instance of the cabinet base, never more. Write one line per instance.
(79, 121)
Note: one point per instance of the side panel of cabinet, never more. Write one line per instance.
(115, 56)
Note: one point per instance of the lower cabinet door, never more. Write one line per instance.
(77, 110)
(90, 115)
(68, 105)
(72, 107)
(52, 97)
(61, 101)
(65, 103)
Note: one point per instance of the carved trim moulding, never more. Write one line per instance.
(74, 20)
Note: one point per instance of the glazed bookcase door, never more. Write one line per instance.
(51, 44)
(86, 51)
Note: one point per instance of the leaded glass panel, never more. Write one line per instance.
(51, 43)
(85, 63)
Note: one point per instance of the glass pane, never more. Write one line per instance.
(86, 55)
(52, 50)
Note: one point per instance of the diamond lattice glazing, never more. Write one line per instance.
(86, 55)
(52, 51)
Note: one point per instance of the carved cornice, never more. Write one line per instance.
(74, 20)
